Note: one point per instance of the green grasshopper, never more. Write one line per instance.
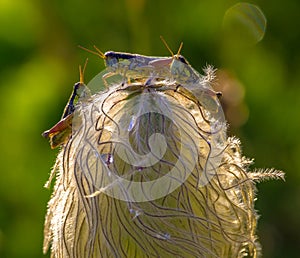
(181, 70)
(174, 67)
(136, 66)
(184, 74)
(133, 66)
(61, 131)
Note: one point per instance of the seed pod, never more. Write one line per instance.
(149, 172)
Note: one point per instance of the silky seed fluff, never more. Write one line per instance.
(148, 171)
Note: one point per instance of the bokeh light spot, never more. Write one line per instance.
(246, 22)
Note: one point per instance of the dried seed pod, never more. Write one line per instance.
(149, 172)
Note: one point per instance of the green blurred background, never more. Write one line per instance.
(39, 61)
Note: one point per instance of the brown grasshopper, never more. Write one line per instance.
(61, 131)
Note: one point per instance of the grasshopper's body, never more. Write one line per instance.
(60, 133)
(133, 66)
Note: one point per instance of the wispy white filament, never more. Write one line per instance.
(149, 172)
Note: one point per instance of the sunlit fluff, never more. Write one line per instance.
(204, 209)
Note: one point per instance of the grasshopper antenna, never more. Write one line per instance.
(166, 45)
(82, 71)
(169, 49)
(180, 47)
(98, 52)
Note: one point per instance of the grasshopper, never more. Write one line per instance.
(137, 66)
(61, 131)
(180, 68)
(184, 74)
(133, 66)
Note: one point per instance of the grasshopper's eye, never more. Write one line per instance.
(111, 58)
(77, 85)
(110, 55)
(182, 59)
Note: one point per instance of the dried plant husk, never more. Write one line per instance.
(149, 172)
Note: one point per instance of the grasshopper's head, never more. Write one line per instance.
(180, 67)
(113, 60)
(183, 71)
(178, 61)
(60, 133)
(181, 59)
(117, 59)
